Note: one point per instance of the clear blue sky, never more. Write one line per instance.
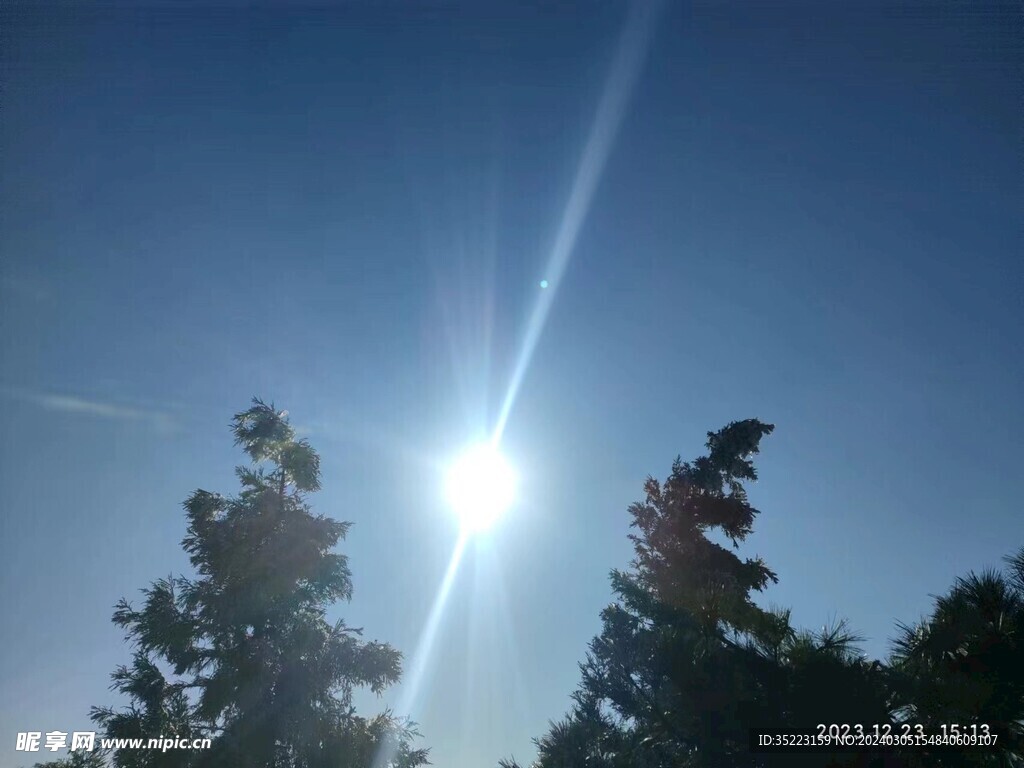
(809, 215)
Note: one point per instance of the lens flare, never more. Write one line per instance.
(481, 485)
(629, 59)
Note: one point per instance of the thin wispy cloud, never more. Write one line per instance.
(92, 407)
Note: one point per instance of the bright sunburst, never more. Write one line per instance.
(481, 486)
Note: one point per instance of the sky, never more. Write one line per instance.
(807, 213)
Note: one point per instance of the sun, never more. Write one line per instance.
(480, 486)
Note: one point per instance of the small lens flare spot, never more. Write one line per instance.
(543, 283)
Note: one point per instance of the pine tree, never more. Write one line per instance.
(964, 665)
(243, 653)
(687, 663)
(668, 663)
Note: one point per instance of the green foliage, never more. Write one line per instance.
(686, 663)
(243, 654)
(965, 662)
(676, 563)
(667, 666)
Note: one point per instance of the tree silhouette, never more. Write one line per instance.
(686, 663)
(243, 653)
(965, 663)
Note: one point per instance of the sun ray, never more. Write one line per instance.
(630, 54)
(424, 648)
(629, 57)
